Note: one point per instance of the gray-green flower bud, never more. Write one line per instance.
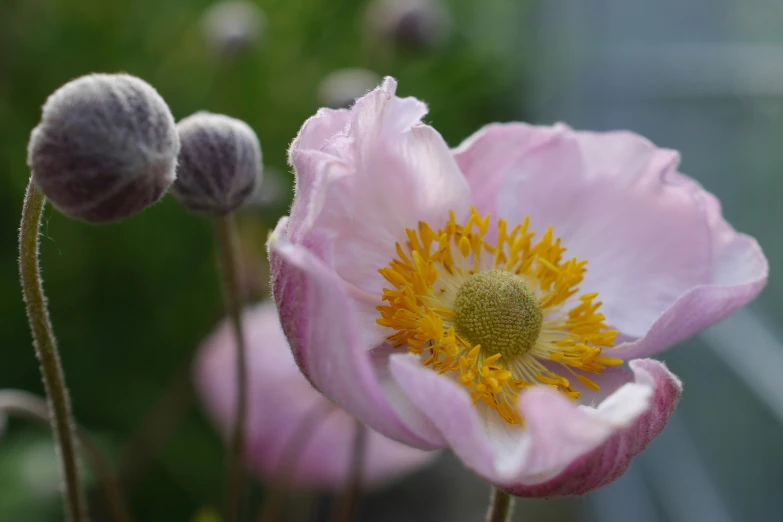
(219, 163)
(105, 149)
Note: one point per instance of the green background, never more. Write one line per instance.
(130, 302)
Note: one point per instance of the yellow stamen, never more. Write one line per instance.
(502, 317)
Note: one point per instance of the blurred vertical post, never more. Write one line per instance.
(347, 505)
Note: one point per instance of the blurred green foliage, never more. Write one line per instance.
(130, 302)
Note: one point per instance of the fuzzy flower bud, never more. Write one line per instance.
(233, 26)
(106, 148)
(409, 24)
(340, 88)
(219, 164)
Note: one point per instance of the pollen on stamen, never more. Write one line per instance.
(499, 317)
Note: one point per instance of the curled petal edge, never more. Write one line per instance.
(608, 460)
(320, 323)
(739, 273)
(564, 449)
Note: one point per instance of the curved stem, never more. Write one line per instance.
(230, 269)
(501, 505)
(32, 407)
(46, 350)
(346, 507)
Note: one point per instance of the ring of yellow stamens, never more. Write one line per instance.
(501, 316)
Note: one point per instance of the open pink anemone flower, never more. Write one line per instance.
(295, 436)
(488, 298)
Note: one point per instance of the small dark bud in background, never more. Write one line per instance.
(106, 148)
(233, 26)
(409, 24)
(219, 164)
(340, 88)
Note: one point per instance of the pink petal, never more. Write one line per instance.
(600, 461)
(313, 168)
(486, 157)
(317, 131)
(450, 410)
(651, 236)
(564, 448)
(383, 172)
(282, 404)
(320, 322)
(738, 273)
(325, 461)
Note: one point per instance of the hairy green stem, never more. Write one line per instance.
(347, 505)
(232, 293)
(501, 505)
(60, 415)
(32, 407)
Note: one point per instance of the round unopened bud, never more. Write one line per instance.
(219, 164)
(233, 26)
(106, 148)
(340, 88)
(409, 24)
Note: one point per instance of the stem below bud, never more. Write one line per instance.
(60, 415)
(229, 264)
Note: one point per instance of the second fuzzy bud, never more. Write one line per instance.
(219, 163)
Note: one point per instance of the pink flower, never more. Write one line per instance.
(294, 435)
(488, 298)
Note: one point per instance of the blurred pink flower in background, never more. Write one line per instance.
(281, 405)
(422, 290)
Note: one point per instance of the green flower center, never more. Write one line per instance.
(497, 310)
